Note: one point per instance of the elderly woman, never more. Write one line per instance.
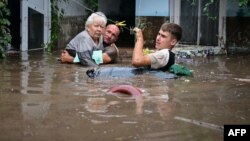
(86, 47)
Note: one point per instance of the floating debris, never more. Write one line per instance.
(200, 123)
(243, 79)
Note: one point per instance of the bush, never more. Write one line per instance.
(5, 36)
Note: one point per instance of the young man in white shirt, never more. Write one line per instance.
(168, 36)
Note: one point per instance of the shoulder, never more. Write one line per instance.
(111, 51)
(81, 35)
(111, 48)
(164, 51)
(160, 53)
(159, 58)
(115, 48)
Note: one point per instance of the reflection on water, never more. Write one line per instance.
(96, 105)
(36, 76)
(41, 99)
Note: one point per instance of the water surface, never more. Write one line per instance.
(41, 99)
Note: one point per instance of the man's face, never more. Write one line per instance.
(96, 29)
(164, 40)
(111, 34)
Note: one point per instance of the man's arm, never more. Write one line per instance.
(110, 54)
(66, 58)
(106, 59)
(138, 58)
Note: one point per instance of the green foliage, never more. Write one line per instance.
(5, 37)
(56, 17)
(180, 70)
(193, 2)
(244, 3)
(206, 12)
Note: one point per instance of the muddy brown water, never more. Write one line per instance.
(41, 99)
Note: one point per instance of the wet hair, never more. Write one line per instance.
(172, 28)
(97, 15)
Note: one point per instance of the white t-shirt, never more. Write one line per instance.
(159, 58)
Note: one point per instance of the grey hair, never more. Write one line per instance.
(94, 16)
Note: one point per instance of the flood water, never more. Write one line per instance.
(41, 99)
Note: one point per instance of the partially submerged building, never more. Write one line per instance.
(225, 28)
(30, 23)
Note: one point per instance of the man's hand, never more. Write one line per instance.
(138, 32)
(138, 58)
(66, 58)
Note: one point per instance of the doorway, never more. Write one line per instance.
(14, 19)
(35, 29)
(120, 10)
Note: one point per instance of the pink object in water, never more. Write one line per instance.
(126, 89)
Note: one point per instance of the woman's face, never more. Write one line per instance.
(96, 29)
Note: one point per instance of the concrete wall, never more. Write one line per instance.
(73, 7)
(71, 26)
(73, 20)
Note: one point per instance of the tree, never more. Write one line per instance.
(5, 37)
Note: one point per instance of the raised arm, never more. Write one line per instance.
(138, 58)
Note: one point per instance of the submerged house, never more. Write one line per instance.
(225, 28)
(30, 23)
